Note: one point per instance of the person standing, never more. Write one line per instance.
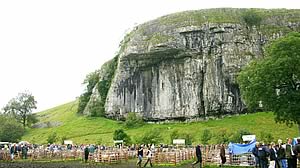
(12, 151)
(297, 149)
(255, 153)
(263, 154)
(86, 153)
(199, 156)
(222, 155)
(24, 151)
(281, 154)
(149, 156)
(140, 156)
(290, 155)
(273, 156)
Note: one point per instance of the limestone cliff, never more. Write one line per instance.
(185, 65)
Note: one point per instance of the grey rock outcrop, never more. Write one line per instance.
(185, 65)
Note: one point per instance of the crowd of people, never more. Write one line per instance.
(280, 155)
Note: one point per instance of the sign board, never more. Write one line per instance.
(179, 141)
(248, 137)
(67, 142)
(118, 141)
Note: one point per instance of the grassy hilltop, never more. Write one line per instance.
(82, 129)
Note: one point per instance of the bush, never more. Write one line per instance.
(222, 136)
(151, 137)
(119, 134)
(206, 136)
(132, 120)
(63, 138)
(10, 129)
(52, 138)
(252, 18)
(237, 137)
(266, 137)
(186, 136)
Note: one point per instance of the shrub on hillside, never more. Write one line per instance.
(120, 134)
(151, 137)
(237, 137)
(266, 137)
(186, 136)
(222, 136)
(206, 136)
(132, 120)
(52, 138)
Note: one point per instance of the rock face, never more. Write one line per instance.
(185, 65)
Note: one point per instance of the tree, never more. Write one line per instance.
(10, 129)
(274, 82)
(90, 81)
(21, 107)
(206, 136)
(119, 134)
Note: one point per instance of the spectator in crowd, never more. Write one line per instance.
(12, 151)
(24, 151)
(140, 156)
(290, 155)
(263, 154)
(255, 153)
(149, 156)
(199, 156)
(281, 154)
(86, 153)
(297, 149)
(273, 156)
(222, 155)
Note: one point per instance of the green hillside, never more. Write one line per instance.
(82, 129)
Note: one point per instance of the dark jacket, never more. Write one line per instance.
(255, 151)
(222, 151)
(296, 150)
(140, 152)
(263, 152)
(86, 151)
(198, 152)
(12, 149)
(288, 151)
(281, 153)
(273, 154)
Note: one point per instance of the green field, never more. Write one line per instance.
(85, 130)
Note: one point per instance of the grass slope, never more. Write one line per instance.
(84, 130)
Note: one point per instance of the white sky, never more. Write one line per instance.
(49, 46)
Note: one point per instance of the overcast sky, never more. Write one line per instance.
(48, 46)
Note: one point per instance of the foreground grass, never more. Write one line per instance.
(84, 130)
